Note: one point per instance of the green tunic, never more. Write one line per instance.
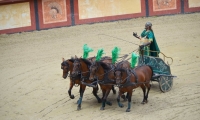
(153, 46)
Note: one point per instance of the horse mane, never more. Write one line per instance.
(87, 62)
(120, 69)
(104, 65)
(119, 63)
(71, 60)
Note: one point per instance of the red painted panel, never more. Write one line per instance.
(42, 17)
(107, 18)
(163, 9)
(187, 9)
(22, 29)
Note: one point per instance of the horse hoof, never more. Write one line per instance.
(72, 97)
(102, 108)
(109, 103)
(78, 108)
(143, 102)
(121, 106)
(128, 110)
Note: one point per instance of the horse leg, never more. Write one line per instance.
(129, 101)
(103, 103)
(113, 89)
(144, 93)
(118, 99)
(106, 93)
(124, 97)
(95, 94)
(149, 87)
(81, 96)
(69, 91)
(79, 92)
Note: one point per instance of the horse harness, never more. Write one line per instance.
(83, 78)
(106, 80)
(128, 81)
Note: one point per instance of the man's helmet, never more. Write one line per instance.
(148, 24)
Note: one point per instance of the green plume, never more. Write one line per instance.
(99, 54)
(134, 58)
(86, 51)
(115, 53)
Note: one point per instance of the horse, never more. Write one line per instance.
(81, 67)
(126, 65)
(129, 79)
(103, 71)
(67, 66)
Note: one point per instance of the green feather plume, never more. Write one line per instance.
(99, 54)
(86, 51)
(115, 53)
(134, 59)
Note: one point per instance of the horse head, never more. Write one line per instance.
(76, 69)
(65, 66)
(93, 68)
(120, 70)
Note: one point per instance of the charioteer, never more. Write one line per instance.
(148, 41)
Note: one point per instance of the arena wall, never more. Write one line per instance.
(29, 15)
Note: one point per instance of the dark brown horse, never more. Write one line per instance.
(67, 67)
(103, 71)
(81, 67)
(129, 79)
(125, 64)
(75, 80)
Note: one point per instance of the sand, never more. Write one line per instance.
(32, 87)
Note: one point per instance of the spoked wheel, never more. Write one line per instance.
(165, 83)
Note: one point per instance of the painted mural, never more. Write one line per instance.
(54, 11)
(15, 15)
(102, 8)
(194, 3)
(160, 5)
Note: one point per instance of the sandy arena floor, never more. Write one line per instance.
(32, 87)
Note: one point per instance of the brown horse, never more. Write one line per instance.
(103, 71)
(81, 67)
(129, 79)
(67, 66)
(125, 64)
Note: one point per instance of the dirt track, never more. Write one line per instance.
(32, 86)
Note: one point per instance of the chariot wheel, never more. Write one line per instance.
(165, 83)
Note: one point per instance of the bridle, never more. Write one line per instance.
(63, 64)
(77, 67)
(105, 80)
(122, 81)
(94, 66)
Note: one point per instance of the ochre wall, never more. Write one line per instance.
(15, 15)
(102, 8)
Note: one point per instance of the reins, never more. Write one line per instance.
(118, 39)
